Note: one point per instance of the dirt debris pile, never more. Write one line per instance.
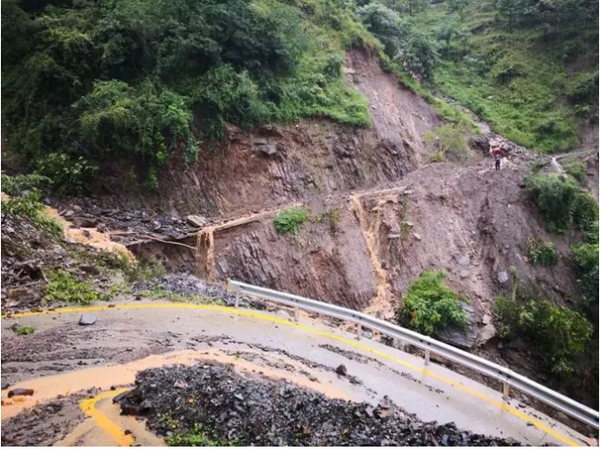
(247, 410)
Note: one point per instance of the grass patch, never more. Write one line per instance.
(451, 140)
(161, 293)
(516, 78)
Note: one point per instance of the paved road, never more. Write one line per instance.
(124, 338)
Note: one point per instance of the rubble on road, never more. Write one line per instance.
(252, 410)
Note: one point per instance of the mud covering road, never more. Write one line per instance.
(263, 412)
(63, 358)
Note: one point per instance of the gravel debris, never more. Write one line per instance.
(253, 410)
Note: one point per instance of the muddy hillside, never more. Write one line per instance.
(376, 212)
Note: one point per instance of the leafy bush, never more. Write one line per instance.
(554, 197)
(451, 140)
(541, 252)
(584, 211)
(290, 220)
(143, 269)
(585, 259)
(414, 51)
(148, 121)
(558, 334)
(64, 287)
(430, 305)
(577, 170)
(68, 175)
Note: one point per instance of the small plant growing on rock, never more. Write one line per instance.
(541, 252)
(332, 217)
(430, 305)
(21, 330)
(196, 437)
(289, 220)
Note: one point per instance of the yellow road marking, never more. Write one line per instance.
(88, 406)
(503, 406)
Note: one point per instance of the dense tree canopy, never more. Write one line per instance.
(151, 77)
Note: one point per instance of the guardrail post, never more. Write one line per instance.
(427, 356)
(236, 303)
(296, 313)
(505, 391)
(358, 331)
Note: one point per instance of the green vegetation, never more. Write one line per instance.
(24, 201)
(196, 437)
(562, 204)
(64, 287)
(142, 269)
(406, 46)
(21, 330)
(450, 140)
(332, 217)
(530, 68)
(85, 81)
(541, 252)
(585, 260)
(430, 305)
(66, 174)
(290, 220)
(558, 334)
(577, 170)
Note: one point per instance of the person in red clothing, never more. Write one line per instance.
(498, 153)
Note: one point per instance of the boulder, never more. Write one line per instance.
(341, 370)
(196, 220)
(464, 338)
(87, 319)
(486, 333)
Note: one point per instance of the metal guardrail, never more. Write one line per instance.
(431, 346)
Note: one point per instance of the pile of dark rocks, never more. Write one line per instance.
(253, 410)
(186, 284)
